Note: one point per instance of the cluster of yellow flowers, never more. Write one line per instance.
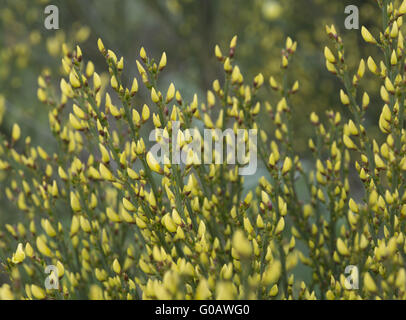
(117, 224)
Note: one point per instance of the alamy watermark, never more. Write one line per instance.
(188, 146)
(352, 281)
(352, 20)
(51, 21)
(52, 281)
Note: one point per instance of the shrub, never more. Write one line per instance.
(117, 224)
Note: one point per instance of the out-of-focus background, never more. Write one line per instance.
(188, 31)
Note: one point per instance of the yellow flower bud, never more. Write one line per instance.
(348, 142)
(342, 247)
(361, 69)
(89, 69)
(329, 55)
(369, 283)
(367, 35)
(241, 244)
(29, 251)
(169, 223)
(105, 173)
(50, 231)
(170, 93)
(401, 279)
(61, 269)
(402, 8)
(153, 163)
(100, 45)
(287, 165)
(233, 42)
(74, 79)
(227, 65)
(96, 82)
(202, 290)
(365, 100)
(379, 162)
(78, 125)
(114, 82)
(272, 273)
(345, 100)
(394, 58)
(280, 226)
(43, 248)
(285, 61)
(154, 95)
(134, 87)
(120, 64)
(162, 62)
(353, 206)
(19, 255)
(395, 31)
(74, 202)
(16, 132)
(37, 292)
(217, 52)
(78, 53)
(113, 216)
(112, 56)
(74, 228)
(85, 224)
(143, 54)
(372, 65)
(116, 266)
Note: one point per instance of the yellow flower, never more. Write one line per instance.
(241, 244)
(29, 251)
(162, 62)
(353, 206)
(100, 45)
(112, 215)
(61, 269)
(203, 291)
(154, 95)
(105, 173)
(342, 247)
(280, 226)
(153, 163)
(372, 65)
(348, 142)
(116, 266)
(218, 52)
(344, 98)
(74, 202)
(43, 248)
(16, 132)
(369, 283)
(6, 293)
(272, 273)
(171, 93)
(19, 255)
(37, 292)
(329, 55)
(367, 35)
(74, 79)
(287, 165)
(402, 8)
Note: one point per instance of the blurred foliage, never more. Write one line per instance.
(187, 30)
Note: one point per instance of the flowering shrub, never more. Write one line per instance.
(117, 224)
